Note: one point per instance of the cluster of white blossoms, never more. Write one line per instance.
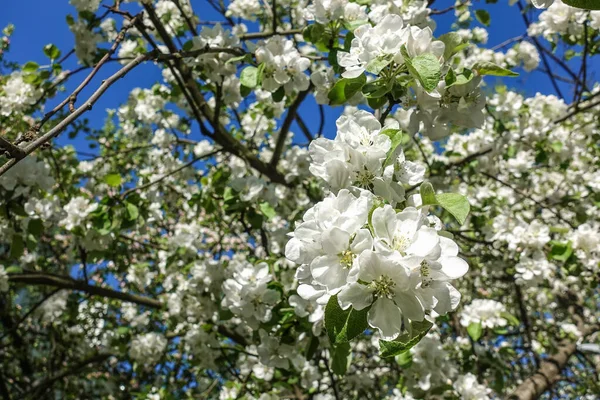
(147, 348)
(469, 389)
(358, 157)
(17, 95)
(247, 294)
(325, 11)
(483, 311)
(368, 253)
(385, 39)
(77, 211)
(283, 65)
(562, 19)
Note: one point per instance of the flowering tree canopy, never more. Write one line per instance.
(214, 239)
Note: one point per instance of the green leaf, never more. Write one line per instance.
(512, 320)
(475, 330)
(406, 341)
(352, 25)
(489, 68)
(132, 211)
(249, 77)
(456, 204)
(561, 251)
(344, 325)
(427, 194)
(344, 89)
(453, 43)
(17, 246)
(376, 103)
(113, 180)
(404, 360)
(379, 63)
(35, 227)
(313, 33)
(51, 51)
(424, 67)
(396, 137)
(341, 355)
(30, 67)
(13, 269)
(278, 95)
(378, 88)
(585, 4)
(483, 17)
(267, 210)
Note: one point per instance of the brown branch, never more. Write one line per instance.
(14, 151)
(170, 173)
(577, 111)
(66, 282)
(550, 369)
(285, 127)
(87, 106)
(264, 35)
(44, 384)
(220, 136)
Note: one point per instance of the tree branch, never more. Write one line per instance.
(66, 282)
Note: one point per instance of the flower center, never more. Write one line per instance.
(383, 287)
(425, 274)
(346, 258)
(364, 178)
(400, 243)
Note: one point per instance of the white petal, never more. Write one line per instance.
(328, 271)
(355, 295)
(384, 222)
(410, 305)
(426, 243)
(335, 240)
(453, 267)
(362, 241)
(385, 316)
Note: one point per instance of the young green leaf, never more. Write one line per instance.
(344, 325)
(249, 77)
(452, 42)
(427, 194)
(475, 330)
(584, 4)
(345, 88)
(489, 68)
(51, 51)
(341, 355)
(456, 204)
(267, 210)
(379, 63)
(483, 17)
(406, 341)
(424, 67)
(113, 180)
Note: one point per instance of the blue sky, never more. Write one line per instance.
(39, 22)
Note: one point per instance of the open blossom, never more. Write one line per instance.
(469, 389)
(147, 348)
(324, 11)
(247, 294)
(77, 211)
(330, 238)
(385, 39)
(356, 158)
(407, 276)
(284, 65)
(17, 95)
(483, 311)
